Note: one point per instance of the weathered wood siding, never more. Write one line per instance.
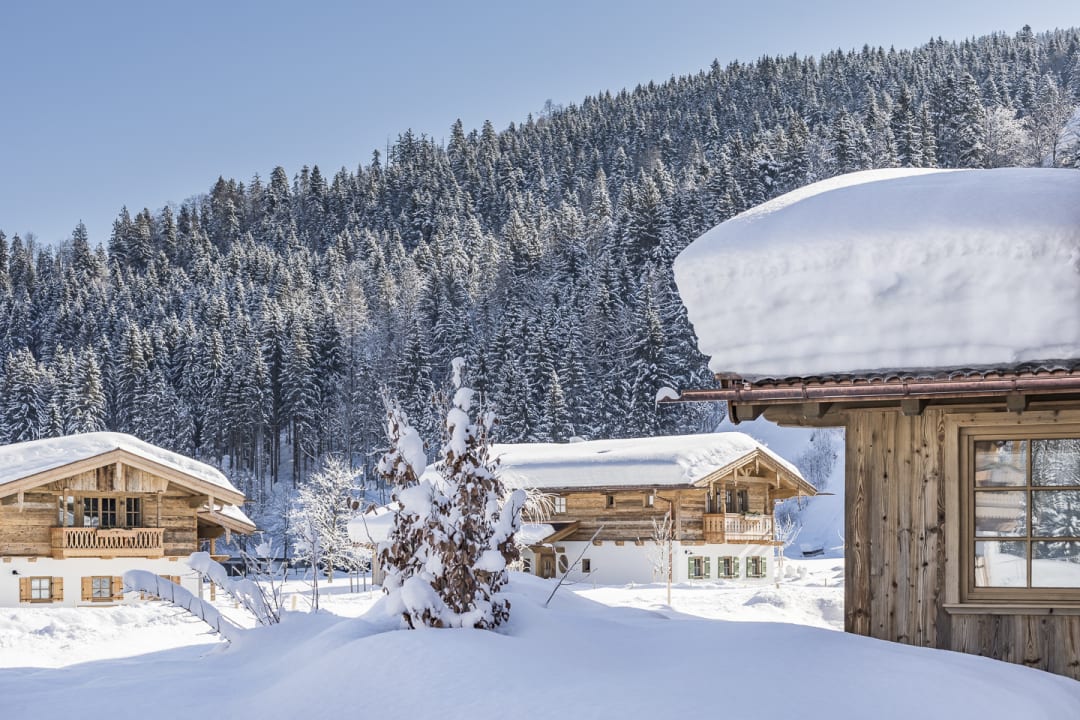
(630, 519)
(28, 532)
(896, 551)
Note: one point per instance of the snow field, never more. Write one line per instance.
(632, 658)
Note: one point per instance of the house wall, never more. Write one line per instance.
(901, 515)
(630, 519)
(72, 570)
(629, 563)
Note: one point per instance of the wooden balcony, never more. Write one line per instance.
(72, 542)
(732, 528)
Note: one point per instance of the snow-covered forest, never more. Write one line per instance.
(257, 326)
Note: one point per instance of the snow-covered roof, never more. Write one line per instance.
(230, 516)
(373, 526)
(892, 269)
(21, 460)
(634, 462)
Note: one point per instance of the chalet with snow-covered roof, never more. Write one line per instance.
(935, 315)
(76, 512)
(609, 500)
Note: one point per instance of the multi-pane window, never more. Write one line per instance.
(560, 504)
(40, 588)
(737, 501)
(698, 568)
(755, 566)
(99, 512)
(1024, 518)
(132, 512)
(101, 588)
(729, 567)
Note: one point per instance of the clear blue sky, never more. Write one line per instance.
(104, 104)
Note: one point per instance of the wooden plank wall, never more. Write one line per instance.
(895, 551)
(28, 533)
(630, 519)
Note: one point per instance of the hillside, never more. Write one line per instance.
(257, 325)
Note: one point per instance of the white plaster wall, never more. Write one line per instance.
(629, 563)
(73, 570)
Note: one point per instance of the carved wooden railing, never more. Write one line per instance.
(721, 528)
(68, 542)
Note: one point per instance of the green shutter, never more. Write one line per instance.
(764, 566)
(735, 568)
(690, 568)
(707, 575)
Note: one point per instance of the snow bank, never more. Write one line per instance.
(20, 460)
(892, 269)
(147, 582)
(654, 461)
(591, 662)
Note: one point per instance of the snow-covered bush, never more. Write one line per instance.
(454, 533)
(319, 521)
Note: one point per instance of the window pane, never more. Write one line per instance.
(1055, 564)
(1000, 462)
(1055, 462)
(1001, 564)
(1000, 513)
(1055, 513)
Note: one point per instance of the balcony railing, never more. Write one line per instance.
(722, 528)
(69, 542)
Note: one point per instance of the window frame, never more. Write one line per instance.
(558, 504)
(958, 475)
(48, 588)
(970, 436)
(108, 596)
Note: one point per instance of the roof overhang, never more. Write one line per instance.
(910, 391)
(244, 527)
(788, 484)
(189, 482)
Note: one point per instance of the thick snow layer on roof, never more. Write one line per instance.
(21, 460)
(234, 513)
(654, 461)
(892, 269)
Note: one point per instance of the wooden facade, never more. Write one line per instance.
(909, 544)
(699, 514)
(115, 505)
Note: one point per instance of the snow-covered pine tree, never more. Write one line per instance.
(477, 520)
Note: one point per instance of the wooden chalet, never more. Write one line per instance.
(962, 489)
(77, 511)
(607, 499)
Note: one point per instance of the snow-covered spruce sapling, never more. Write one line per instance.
(466, 523)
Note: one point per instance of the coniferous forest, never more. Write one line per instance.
(259, 325)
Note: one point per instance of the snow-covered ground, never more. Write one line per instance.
(629, 656)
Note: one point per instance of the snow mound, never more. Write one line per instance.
(589, 652)
(887, 269)
(633, 462)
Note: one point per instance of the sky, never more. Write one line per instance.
(107, 104)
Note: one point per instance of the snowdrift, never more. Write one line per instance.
(576, 657)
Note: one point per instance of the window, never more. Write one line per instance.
(564, 564)
(699, 568)
(132, 512)
(737, 501)
(560, 504)
(1023, 517)
(586, 566)
(99, 512)
(40, 589)
(101, 588)
(755, 566)
(729, 567)
(650, 500)
(610, 501)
